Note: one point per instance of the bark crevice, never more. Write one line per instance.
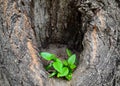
(88, 27)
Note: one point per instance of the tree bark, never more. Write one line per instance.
(90, 28)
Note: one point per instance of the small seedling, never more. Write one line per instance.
(62, 68)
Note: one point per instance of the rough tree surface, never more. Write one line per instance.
(90, 28)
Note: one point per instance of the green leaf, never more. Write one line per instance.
(58, 60)
(64, 72)
(54, 57)
(69, 53)
(71, 59)
(52, 74)
(65, 62)
(47, 56)
(58, 66)
(72, 66)
(48, 66)
(68, 77)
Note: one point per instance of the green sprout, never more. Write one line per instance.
(62, 68)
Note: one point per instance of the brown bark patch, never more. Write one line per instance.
(33, 54)
(101, 18)
(34, 64)
(94, 39)
(5, 6)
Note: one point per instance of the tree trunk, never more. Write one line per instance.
(90, 28)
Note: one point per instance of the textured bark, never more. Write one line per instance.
(90, 28)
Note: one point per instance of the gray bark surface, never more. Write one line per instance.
(90, 28)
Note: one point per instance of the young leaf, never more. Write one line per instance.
(72, 66)
(70, 71)
(65, 62)
(68, 77)
(47, 56)
(58, 66)
(52, 74)
(71, 59)
(48, 66)
(54, 57)
(64, 72)
(69, 53)
(58, 60)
